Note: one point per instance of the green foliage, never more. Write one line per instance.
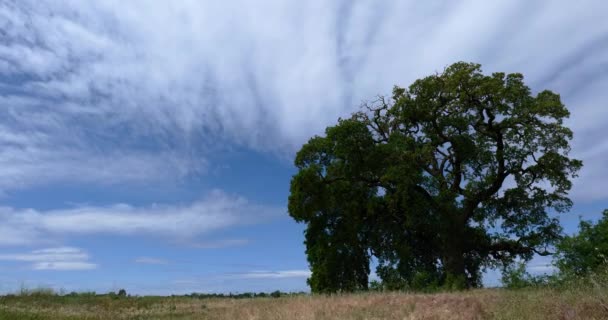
(586, 251)
(37, 292)
(454, 281)
(414, 181)
(515, 276)
(375, 285)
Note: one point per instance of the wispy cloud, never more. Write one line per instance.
(61, 258)
(150, 260)
(253, 281)
(105, 92)
(214, 212)
(64, 265)
(541, 265)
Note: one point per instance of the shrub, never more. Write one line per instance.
(515, 276)
(585, 252)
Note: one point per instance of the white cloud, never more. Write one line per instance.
(63, 266)
(25, 165)
(541, 265)
(87, 88)
(214, 212)
(61, 258)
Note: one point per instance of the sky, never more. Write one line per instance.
(148, 145)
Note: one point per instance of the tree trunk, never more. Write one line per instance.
(454, 254)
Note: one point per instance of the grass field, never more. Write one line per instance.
(584, 302)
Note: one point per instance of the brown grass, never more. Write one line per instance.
(582, 303)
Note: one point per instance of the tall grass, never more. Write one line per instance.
(572, 298)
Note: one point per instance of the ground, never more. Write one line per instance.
(579, 303)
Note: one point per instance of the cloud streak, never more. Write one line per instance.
(105, 87)
(214, 212)
(60, 259)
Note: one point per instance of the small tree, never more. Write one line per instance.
(122, 293)
(586, 251)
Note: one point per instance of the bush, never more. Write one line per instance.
(585, 252)
(375, 285)
(37, 292)
(515, 276)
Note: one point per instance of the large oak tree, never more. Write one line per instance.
(458, 172)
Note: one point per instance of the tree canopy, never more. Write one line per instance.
(456, 173)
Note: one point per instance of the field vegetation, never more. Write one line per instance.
(578, 298)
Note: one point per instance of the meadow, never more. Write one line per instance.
(584, 300)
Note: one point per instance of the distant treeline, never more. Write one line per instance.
(244, 295)
(122, 293)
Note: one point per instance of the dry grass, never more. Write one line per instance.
(582, 303)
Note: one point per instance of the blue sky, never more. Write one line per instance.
(148, 144)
